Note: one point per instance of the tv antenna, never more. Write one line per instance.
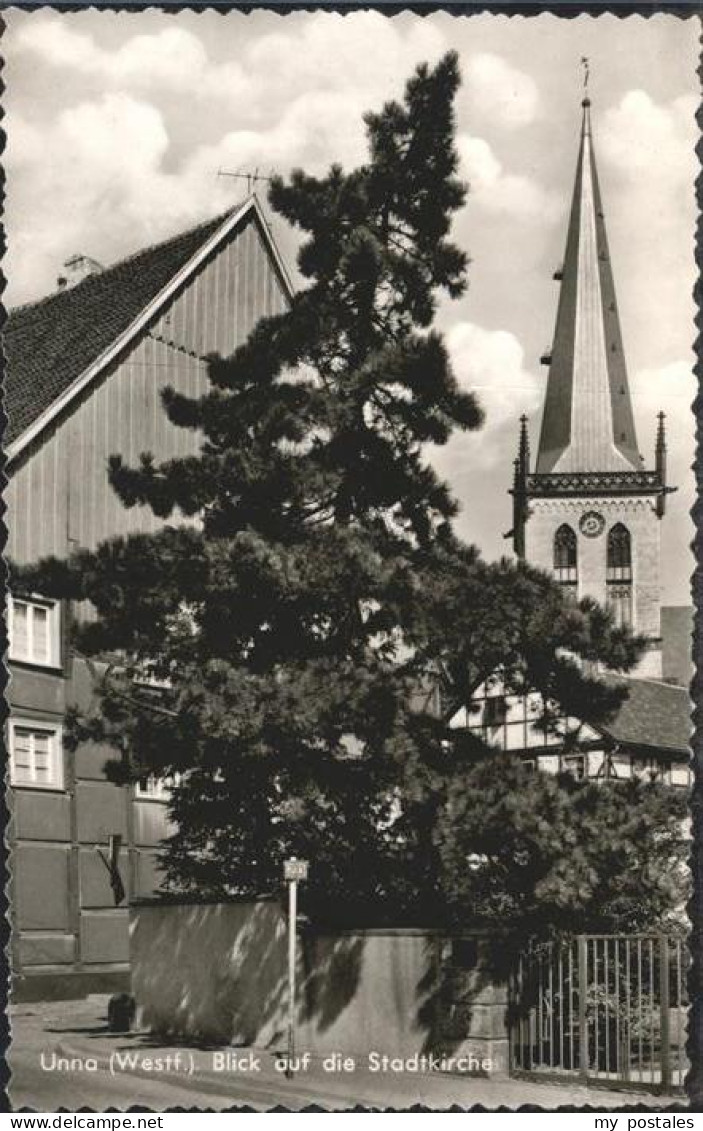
(252, 178)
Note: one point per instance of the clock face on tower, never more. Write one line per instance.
(591, 524)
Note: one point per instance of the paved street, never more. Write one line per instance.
(121, 1071)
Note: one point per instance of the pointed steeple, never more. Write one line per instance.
(660, 463)
(588, 423)
(524, 447)
(521, 470)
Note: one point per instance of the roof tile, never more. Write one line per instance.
(654, 714)
(48, 344)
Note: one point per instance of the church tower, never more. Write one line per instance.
(589, 511)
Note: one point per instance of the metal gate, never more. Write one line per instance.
(608, 1009)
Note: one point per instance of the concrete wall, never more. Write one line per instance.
(638, 515)
(395, 992)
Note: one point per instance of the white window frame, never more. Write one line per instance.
(575, 762)
(56, 766)
(53, 631)
(154, 788)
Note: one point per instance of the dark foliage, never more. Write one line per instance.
(271, 652)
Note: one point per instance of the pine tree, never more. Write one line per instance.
(554, 855)
(271, 651)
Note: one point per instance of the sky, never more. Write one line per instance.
(118, 124)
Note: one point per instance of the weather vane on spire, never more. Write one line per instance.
(586, 73)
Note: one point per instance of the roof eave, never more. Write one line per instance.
(637, 744)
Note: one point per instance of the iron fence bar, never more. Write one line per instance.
(525, 1018)
(518, 1008)
(572, 1063)
(606, 998)
(532, 1020)
(639, 997)
(512, 998)
(550, 1013)
(634, 935)
(540, 1016)
(561, 1006)
(521, 1019)
(602, 1009)
(628, 1011)
(679, 987)
(664, 1033)
(583, 1035)
(651, 1008)
(596, 1011)
(618, 1010)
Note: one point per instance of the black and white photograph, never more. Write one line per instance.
(348, 380)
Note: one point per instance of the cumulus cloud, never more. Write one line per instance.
(670, 388)
(478, 465)
(355, 54)
(117, 153)
(491, 362)
(512, 194)
(143, 127)
(646, 149)
(638, 134)
(77, 175)
(493, 87)
(172, 59)
(99, 179)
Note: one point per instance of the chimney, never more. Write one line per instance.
(76, 269)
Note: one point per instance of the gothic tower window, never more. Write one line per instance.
(618, 574)
(565, 557)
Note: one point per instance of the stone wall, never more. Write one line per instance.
(638, 515)
(217, 972)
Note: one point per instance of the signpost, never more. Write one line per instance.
(293, 871)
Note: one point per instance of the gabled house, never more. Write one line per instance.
(648, 737)
(84, 367)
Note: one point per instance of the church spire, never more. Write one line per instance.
(588, 423)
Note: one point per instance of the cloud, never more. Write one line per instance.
(478, 465)
(491, 363)
(76, 175)
(670, 388)
(646, 151)
(120, 166)
(513, 194)
(172, 59)
(506, 95)
(355, 54)
(358, 53)
(55, 43)
(640, 135)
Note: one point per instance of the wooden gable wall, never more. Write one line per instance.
(58, 497)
